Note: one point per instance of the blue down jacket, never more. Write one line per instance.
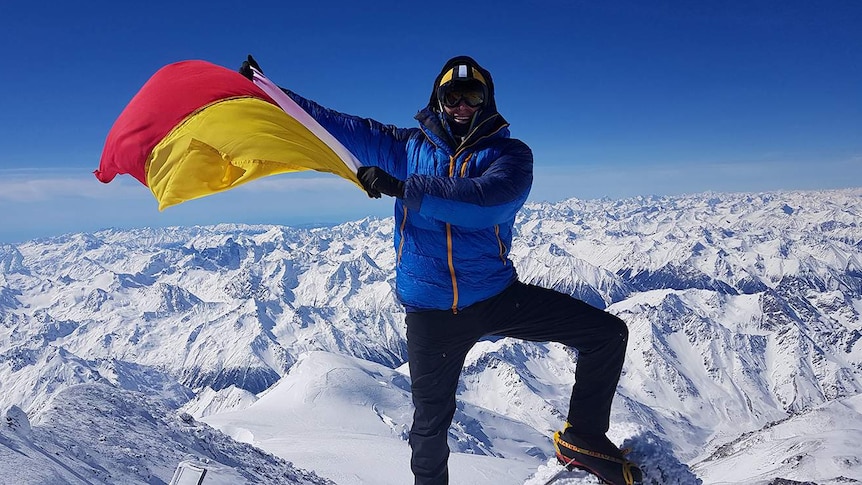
(453, 228)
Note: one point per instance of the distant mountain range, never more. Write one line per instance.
(744, 362)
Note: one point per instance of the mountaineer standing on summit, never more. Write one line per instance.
(458, 181)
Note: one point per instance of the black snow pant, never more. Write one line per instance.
(438, 342)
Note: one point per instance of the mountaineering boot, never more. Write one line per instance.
(597, 455)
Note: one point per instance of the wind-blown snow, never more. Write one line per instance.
(261, 351)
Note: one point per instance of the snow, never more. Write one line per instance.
(344, 405)
(268, 354)
(831, 447)
(96, 433)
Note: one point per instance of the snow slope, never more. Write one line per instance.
(97, 433)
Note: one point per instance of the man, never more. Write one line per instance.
(458, 181)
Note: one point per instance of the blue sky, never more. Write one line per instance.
(616, 99)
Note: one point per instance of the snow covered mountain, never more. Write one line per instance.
(744, 363)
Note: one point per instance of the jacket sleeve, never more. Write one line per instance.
(372, 142)
(475, 202)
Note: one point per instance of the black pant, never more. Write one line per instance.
(438, 342)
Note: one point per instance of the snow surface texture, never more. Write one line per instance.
(260, 352)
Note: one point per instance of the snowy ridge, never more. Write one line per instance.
(94, 433)
(744, 361)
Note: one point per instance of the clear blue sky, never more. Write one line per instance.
(616, 98)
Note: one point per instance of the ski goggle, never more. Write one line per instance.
(473, 99)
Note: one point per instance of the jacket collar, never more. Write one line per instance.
(432, 123)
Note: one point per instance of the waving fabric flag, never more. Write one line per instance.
(196, 128)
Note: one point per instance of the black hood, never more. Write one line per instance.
(488, 120)
(490, 104)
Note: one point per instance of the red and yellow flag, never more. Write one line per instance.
(195, 129)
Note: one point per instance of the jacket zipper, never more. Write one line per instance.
(452, 268)
(401, 230)
(449, 251)
(500, 243)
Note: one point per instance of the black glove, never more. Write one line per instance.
(245, 68)
(376, 181)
